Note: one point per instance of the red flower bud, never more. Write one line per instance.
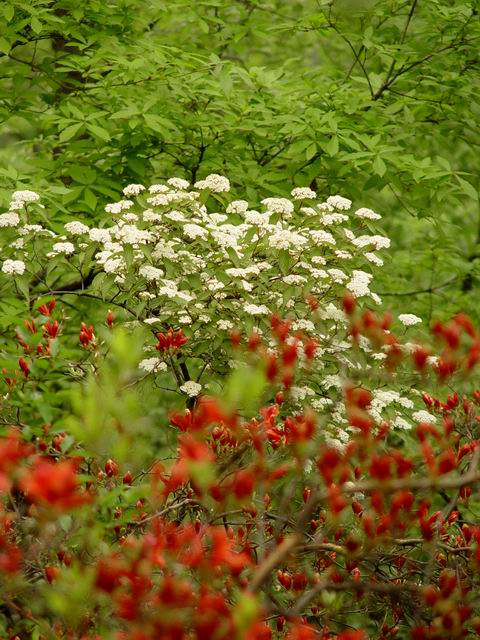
(24, 367)
(127, 478)
(51, 573)
(111, 468)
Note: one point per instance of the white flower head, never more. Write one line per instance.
(100, 235)
(214, 182)
(303, 193)
(13, 267)
(76, 228)
(279, 205)
(191, 388)
(193, 231)
(338, 202)
(237, 206)
(25, 196)
(133, 189)
(178, 183)
(256, 310)
(150, 273)
(153, 365)
(424, 416)
(409, 319)
(66, 248)
(367, 214)
(9, 219)
(359, 283)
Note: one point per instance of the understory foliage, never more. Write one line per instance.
(211, 429)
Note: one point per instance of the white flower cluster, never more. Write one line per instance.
(214, 182)
(187, 261)
(191, 388)
(13, 267)
(409, 320)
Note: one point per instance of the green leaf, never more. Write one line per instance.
(36, 25)
(70, 132)
(23, 284)
(99, 132)
(331, 147)
(90, 199)
(5, 46)
(379, 166)
(468, 188)
(284, 261)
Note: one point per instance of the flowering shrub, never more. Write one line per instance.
(209, 265)
(303, 471)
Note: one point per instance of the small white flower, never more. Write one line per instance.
(374, 259)
(158, 188)
(279, 205)
(343, 204)
(337, 275)
(303, 193)
(151, 216)
(13, 267)
(118, 207)
(66, 248)
(178, 183)
(193, 231)
(99, 235)
(322, 237)
(225, 325)
(9, 219)
(409, 319)
(152, 364)
(191, 388)
(359, 283)
(256, 310)
(333, 218)
(368, 214)
(343, 255)
(150, 273)
(400, 423)
(133, 190)
(424, 416)
(175, 216)
(286, 239)
(214, 182)
(76, 228)
(25, 196)
(380, 242)
(218, 218)
(237, 206)
(294, 279)
(114, 265)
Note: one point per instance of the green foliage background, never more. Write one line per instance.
(376, 100)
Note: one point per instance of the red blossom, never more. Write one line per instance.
(47, 308)
(23, 364)
(51, 328)
(171, 340)
(53, 484)
(86, 335)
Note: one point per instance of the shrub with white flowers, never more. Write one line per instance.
(196, 259)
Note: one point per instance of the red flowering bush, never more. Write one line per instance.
(238, 517)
